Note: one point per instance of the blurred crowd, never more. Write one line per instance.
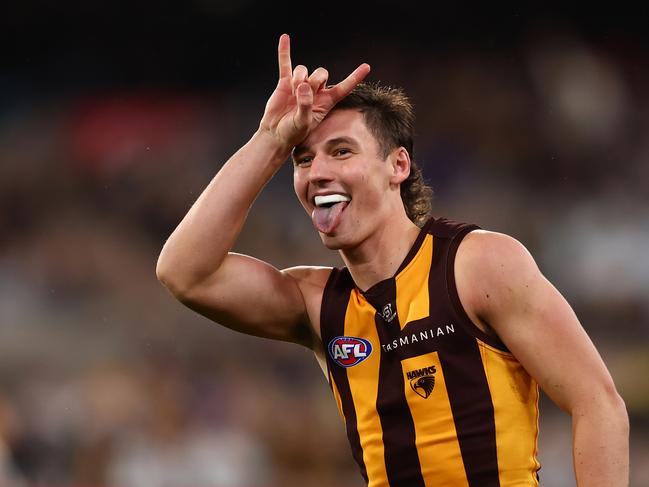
(105, 380)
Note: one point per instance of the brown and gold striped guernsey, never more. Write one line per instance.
(428, 398)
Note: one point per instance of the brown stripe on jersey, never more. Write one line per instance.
(401, 456)
(466, 382)
(335, 306)
(464, 318)
(473, 411)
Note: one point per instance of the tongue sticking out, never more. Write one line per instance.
(327, 219)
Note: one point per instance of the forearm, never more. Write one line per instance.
(601, 444)
(197, 247)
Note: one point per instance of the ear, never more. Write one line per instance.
(400, 162)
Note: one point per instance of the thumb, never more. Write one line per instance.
(304, 96)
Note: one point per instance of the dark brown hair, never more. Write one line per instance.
(389, 116)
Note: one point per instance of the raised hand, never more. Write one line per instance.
(301, 101)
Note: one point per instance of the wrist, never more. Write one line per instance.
(277, 150)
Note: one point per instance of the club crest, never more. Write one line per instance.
(422, 381)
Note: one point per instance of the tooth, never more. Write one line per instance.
(330, 198)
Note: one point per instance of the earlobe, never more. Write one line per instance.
(400, 165)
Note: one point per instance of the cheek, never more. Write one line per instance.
(299, 186)
(373, 189)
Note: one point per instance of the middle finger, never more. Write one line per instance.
(300, 74)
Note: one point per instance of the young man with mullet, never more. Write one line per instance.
(434, 335)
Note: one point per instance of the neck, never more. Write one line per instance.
(380, 255)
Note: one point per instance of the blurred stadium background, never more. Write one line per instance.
(114, 116)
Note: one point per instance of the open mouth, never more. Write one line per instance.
(328, 210)
(327, 201)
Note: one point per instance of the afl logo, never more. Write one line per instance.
(349, 351)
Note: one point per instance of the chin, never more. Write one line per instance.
(332, 243)
(336, 241)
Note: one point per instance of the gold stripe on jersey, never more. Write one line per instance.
(412, 285)
(515, 399)
(363, 382)
(435, 435)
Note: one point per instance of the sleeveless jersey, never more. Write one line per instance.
(428, 399)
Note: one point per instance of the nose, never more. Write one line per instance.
(320, 170)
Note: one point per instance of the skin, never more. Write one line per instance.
(498, 282)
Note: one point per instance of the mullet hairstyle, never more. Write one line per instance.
(389, 116)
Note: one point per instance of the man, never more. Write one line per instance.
(435, 334)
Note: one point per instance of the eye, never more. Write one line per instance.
(342, 152)
(304, 161)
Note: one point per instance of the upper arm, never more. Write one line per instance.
(500, 285)
(253, 297)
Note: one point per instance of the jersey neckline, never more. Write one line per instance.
(379, 288)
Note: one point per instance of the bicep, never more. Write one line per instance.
(538, 325)
(545, 335)
(253, 297)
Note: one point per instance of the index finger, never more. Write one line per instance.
(345, 87)
(284, 56)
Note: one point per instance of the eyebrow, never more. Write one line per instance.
(300, 149)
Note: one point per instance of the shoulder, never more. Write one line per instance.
(309, 277)
(492, 271)
(488, 250)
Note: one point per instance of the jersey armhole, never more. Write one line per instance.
(326, 292)
(463, 317)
